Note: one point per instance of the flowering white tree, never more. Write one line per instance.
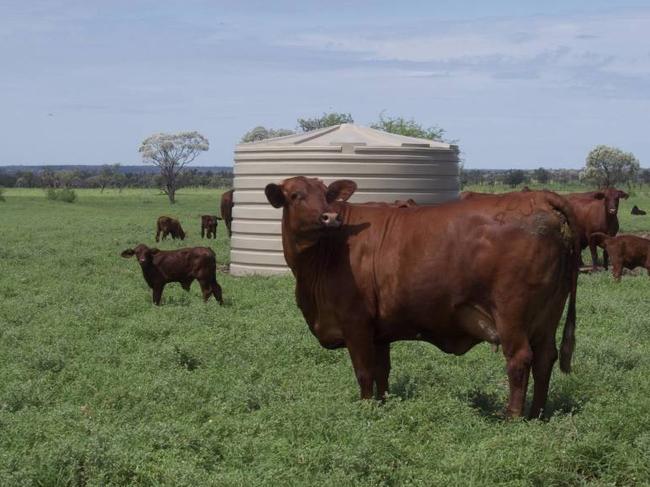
(607, 166)
(171, 153)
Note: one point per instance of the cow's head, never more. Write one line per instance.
(309, 206)
(611, 197)
(143, 253)
(181, 232)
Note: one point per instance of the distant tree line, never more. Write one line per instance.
(109, 176)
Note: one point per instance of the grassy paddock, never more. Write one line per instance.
(100, 387)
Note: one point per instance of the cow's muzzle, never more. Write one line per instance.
(612, 211)
(330, 220)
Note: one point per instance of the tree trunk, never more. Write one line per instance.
(171, 193)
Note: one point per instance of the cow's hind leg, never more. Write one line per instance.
(593, 248)
(519, 358)
(216, 291)
(382, 369)
(544, 357)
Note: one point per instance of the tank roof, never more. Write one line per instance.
(348, 134)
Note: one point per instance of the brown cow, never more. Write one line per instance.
(209, 225)
(596, 211)
(409, 203)
(452, 275)
(169, 226)
(627, 251)
(160, 267)
(227, 203)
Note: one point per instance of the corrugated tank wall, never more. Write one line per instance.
(429, 175)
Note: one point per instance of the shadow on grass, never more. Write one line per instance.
(492, 407)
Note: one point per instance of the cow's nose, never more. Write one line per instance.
(612, 211)
(330, 219)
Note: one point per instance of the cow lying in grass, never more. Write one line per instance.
(169, 226)
(498, 269)
(209, 225)
(626, 251)
(160, 267)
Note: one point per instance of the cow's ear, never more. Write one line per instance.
(599, 195)
(623, 194)
(128, 253)
(275, 195)
(340, 190)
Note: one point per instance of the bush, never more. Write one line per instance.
(65, 194)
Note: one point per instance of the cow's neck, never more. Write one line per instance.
(612, 223)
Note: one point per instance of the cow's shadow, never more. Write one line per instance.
(491, 406)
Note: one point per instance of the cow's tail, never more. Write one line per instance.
(568, 336)
(599, 239)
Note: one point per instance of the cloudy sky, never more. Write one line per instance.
(517, 83)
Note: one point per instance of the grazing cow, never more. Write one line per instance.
(160, 267)
(453, 275)
(637, 211)
(596, 211)
(227, 204)
(169, 226)
(209, 225)
(627, 251)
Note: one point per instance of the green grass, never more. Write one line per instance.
(100, 387)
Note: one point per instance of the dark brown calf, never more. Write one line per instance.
(169, 226)
(637, 211)
(227, 203)
(626, 251)
(495, 269)
(209, 225)
(160, 267)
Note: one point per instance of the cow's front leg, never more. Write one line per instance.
(157, 294)
(362, 352)
(382, 369)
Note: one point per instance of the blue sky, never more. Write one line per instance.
(517, 83)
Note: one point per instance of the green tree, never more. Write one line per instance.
(408, 127)
(541, 175)
(261, 133)
(514, 177)
(608, 166)
(325, 120)
(171, 153)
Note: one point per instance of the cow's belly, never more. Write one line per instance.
(454, 331)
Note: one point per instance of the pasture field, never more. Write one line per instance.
(100, 387)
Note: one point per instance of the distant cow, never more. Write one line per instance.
(596, 211)
(209, 225)
(169, 226)
(227, 204)
(626, 251)
(454, 275)
(637, 211)
(160, 267)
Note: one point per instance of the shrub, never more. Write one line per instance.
(65, 194)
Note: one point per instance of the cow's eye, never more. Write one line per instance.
(296, 196)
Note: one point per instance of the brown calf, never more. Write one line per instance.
(626, 251)
(227, 204)
(637, 211)
(169, 226)
(497, 270)
(209, 225)
(596, 211)
(160, 267)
